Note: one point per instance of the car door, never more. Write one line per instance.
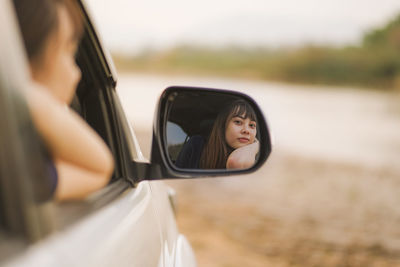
(115, 227)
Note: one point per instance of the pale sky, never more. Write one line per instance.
(132, 25)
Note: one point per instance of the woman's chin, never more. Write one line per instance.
(239, 145)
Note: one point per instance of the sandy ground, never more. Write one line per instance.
(329, 195)
(293, 212)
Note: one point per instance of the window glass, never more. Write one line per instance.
(176, 139)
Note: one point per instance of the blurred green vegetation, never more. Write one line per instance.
(375, 62)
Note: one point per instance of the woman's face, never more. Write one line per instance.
(240, 132)
(56, 68)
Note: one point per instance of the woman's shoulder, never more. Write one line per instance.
(197, 139)
(189, 156)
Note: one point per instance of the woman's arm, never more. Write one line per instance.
(76, 183)
(84, 162)
(243, 157)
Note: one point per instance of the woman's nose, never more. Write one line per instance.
(245, 129)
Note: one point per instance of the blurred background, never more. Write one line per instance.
(327, 76)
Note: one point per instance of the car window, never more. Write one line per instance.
(176, 139)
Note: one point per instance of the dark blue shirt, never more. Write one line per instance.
(189, 157)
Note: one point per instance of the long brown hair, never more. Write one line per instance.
(216, 150)
(38, 19)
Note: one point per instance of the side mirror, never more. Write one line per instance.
(207, 132)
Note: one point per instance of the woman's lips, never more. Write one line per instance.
(243, 140)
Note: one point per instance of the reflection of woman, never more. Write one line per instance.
(80, 162)
(232, 143)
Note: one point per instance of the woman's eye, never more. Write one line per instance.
(238, 122)
(253, 125)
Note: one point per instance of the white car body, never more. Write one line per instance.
(137, 229)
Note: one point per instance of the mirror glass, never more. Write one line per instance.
(211, 130)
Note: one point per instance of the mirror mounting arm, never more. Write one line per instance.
(145, 171)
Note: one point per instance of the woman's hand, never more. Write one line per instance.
(243, 157)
